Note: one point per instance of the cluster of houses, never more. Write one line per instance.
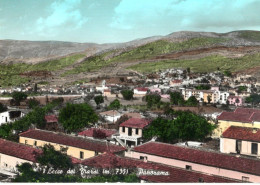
(107, 145)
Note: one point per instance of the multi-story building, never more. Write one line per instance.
(131, 131)
(241, 117)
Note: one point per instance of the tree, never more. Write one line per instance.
(127, 94)
(99, 99)
(188, 70)
(176, 98)
(114, 105)
(152, 99)
(192, 101)
(227, 73)
(76, 116)
(186, 126)
(3, 108)
(202, 87)
(18, 97)
(54, 159)
(32, 103)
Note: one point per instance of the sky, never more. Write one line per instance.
(111, 21)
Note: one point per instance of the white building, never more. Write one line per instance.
(111, 116)
(10, 116)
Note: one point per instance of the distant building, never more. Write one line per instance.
(140, 91)
(10, 116)
(111, 116)
(235, 100)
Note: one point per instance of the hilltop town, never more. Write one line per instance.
(176, 125)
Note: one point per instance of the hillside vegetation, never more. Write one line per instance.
(207, 64)
(147, 51)
(10, 74)
(250, 35)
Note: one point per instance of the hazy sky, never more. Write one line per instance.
(104, 21)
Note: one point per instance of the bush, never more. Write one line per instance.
(18, 97)
(114, 105)
(127, 94)
(32, 103)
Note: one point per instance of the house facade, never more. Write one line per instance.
(241, 117)
(235, 100)
(111, 116)
(12, 154)
(77, 147)
(241, 140)
(131, 131)
(10, 116)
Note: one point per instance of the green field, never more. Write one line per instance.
(207, 64)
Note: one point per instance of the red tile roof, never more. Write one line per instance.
(51, 118)
(109, 160)
(242, 133)
(218, 160)
(176, 81)
(133, 115)
(144, 89)
(78, 142)
(135, 123)
(18, 150)
(111, 113)
(89, 132)
(245, 115)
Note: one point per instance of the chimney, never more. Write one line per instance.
(254, 130)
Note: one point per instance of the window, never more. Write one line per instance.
(188, 167)
(254, 148)
(96, 153)
(201, 179)
(136, 131)
(238, 146)
(123, 129)
(144, 158)
(26, 142)
(35, 143)
(245, 179)
(81, 155)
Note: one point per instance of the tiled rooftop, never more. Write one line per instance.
(51, 119)
(245, 115)
(78, 142)
(202, 157)
(242, 133)
(18, 150)
(90, 132)
(135, 123)
(109, 160)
